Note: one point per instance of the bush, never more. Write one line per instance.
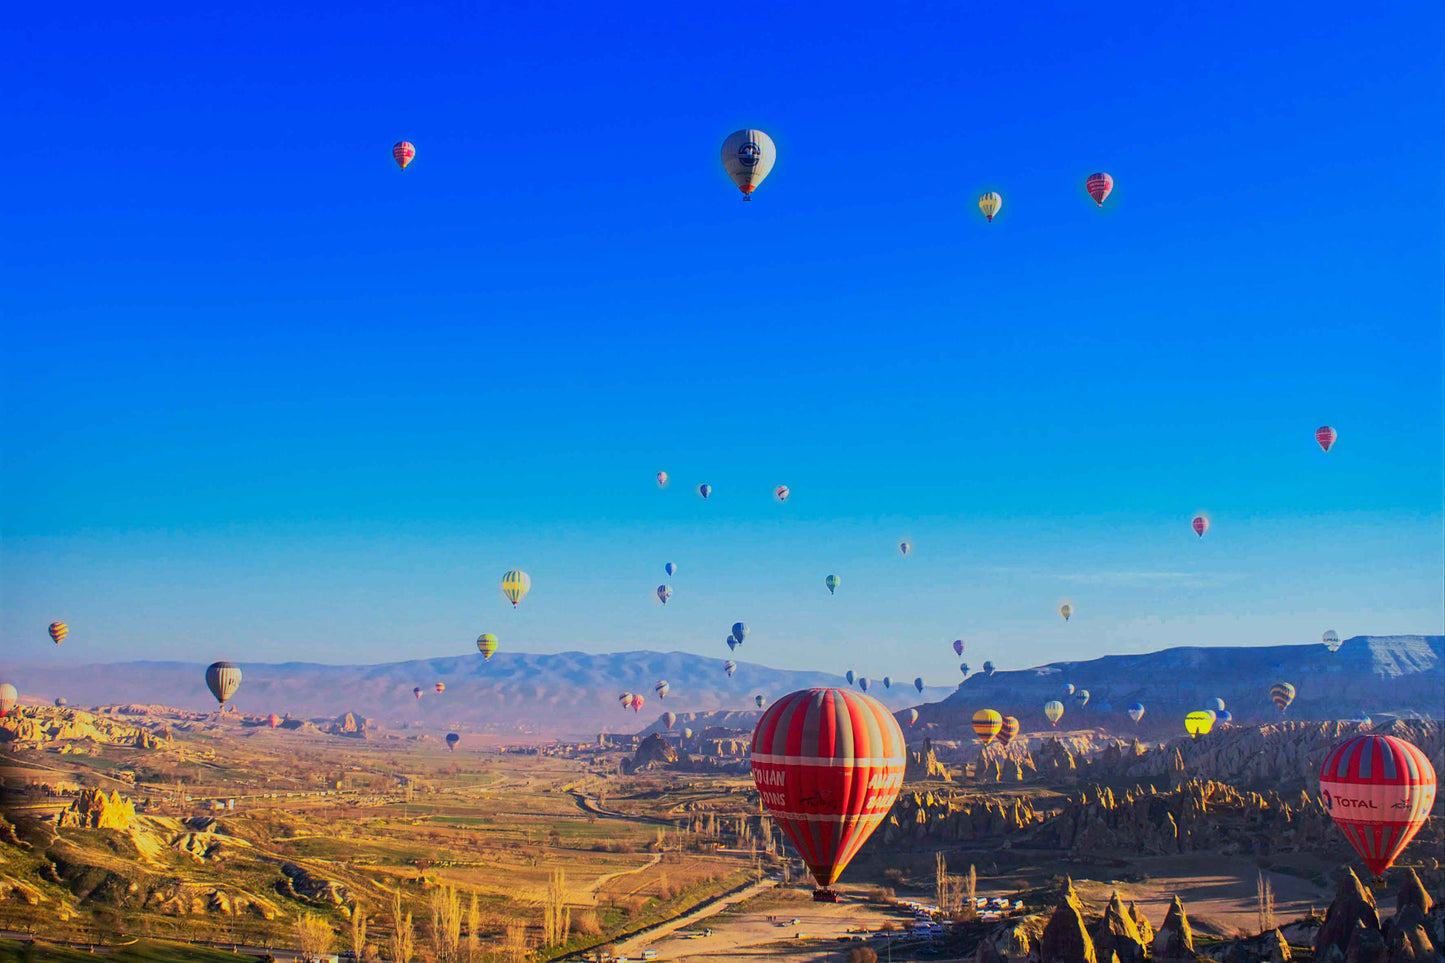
(861, 954)
(586, 924)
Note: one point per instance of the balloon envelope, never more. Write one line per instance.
(912, 716)
(849, 676)
(664, 592)
(740, 630)
(1331, 640)
(1281, 694)
(452, 740)
(887, 682)
(758, 700)
(487, 645)
(863, 684)
(668, 718)
(58, 631)
(1008, 730)
(730, 667)
(781, 493)
(1066, 610)
(662, 479)
(1198, 723)
(828, 764)
(1325, 436)
(8, 698)
(918, 683)
(662, 688)
(704, 490)
(989, 204)
(637, 702)
(986, 725)
(1200, 525)
(273, 720)
(515, 585)
(904, 548)
(1217, 704)
(1379, 791)
(832, 581)
(222, 678)
(1081, 698)
(1099, 185)
(1068, 688)
(670, 569)
(1136, 711)
(403, 153)
(748, 156)
(440, 687)
(1053, 711)
(958, 646)
(417, 692)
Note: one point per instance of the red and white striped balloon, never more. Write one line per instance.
(828, 764)
(1099, 185)
(1326, 436)
(1378, 790)
(1201, 525)
(403, 153)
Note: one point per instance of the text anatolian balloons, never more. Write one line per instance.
(1379, 791)
(748, 156)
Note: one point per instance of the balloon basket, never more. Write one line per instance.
(825, 896)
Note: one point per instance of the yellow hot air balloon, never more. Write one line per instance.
(986, 725)
(1053, 711)
(487, 645)
(989, 204)
(1066, 610)
(58, 631)
(1198, 723)
(515, 586)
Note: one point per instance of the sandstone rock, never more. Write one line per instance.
(1146, 932)
(1269, 947)
(1366, 946)
(1352, 911)
(93, 809)
(1412, 893)
(1065, 940)
(1117, 933)
(1175, 940)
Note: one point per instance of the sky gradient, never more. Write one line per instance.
(264, 397)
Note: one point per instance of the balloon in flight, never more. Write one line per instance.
(1223, 717)
(273, 720)
(662, 479)
(986, 725)
(487, 645)
(988, 669)
(403, 153)
(1053, 711)
(626, 700)
(758, 700)
(1008, 730)
(668, 719)
(670, 568)
(637, 702)
(958, 646)
(1081, 698)
(1068, 688)
(832, 581)
(748, 156)
(1217, 704)
(662, 688)
(58, 631)
(452, 740)
(1066, 610)
(704, 490)
(963, 667)
(849, 676)
(664, 592)
(8, 697)
(904, 548)
(781, 493)
(222, 678)
(989, 204)
(440, 687)
(417, 692)
(1331, 640)
(1281, 694)
(740, 631)
(1325, 437)
(863, 684)
(732, 643)
(730, 667)
(1099, 185)
(1198, 723)
(1200, 525)
(828, 764)
(1379, 791)
(687, 733)
(515, 585)
(918, 684)
(912, 716)
(887, 682)
(1136, 711)
(60, 702)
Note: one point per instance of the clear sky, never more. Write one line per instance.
(265, 397)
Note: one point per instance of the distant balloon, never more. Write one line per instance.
(1201, 525)
(1281, 694)
(60, 702)
(403, 153)
(1223, 717)
(904, 548)
(1136, 711)
(887, 682)
(849, 676)
(1099, 185)
(515, 585)
(832, 581)
(748, 156)
(863, 683)
(988, 669)
(730, 667)
(1325, 436)
(687, 733)
(1361, 718)
(58, 631)
(989, 204)
(222, 678)
(662, 688)
(452, 740)
(1379, 791)
(670, 568)
(918, 684)
(740, 631)
(662, 479)
(912, 716)
(440, 687)
(1009, 729)
(273, 720)
(668, 719)
(417, 692)
(781, 493)
(732, 643)
(1198, 723)
(958, 646)
(1217, 704)
(664, 592)
(986, 725)
(1066, 610)
(1053, 711)
(963, 667)
(487, 645)
(1068, 688)
(1081, 698)
(1331, 640)
(758, 700)
(626, 700)
(8, 698)
(637, 702)
(704, 490)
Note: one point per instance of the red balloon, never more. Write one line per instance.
(1326, 436)
(1378, 790)
(403, 153)
(273, 720)
(1099, 185)
(828, 764)
(1201, 525)
(637, 702)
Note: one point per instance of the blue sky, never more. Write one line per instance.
(265, 397)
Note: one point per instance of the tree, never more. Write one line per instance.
(515, 948)
(861, 954)
(403, 939)
(474, 929)
(315, 936)
(446, 923)
(556, 916)
(358, 930)
(1264, 896)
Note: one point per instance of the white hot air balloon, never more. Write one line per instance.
(748, 156)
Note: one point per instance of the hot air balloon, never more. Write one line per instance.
(1223, 717)
(988, 669)
(1136, 711)
(989, 204)
(1282, 694)
(687, 733)
(1331, 640)
(1053, 711)
(1099, 185)
(662, 688)
(1198, 723)
(863, 683)
(1217, 704)
(832, 581)
(918, 684)
(452, 740)
(849, 676)
(1009, 729)
(963, 667)
(662, 479)
(732, 644)
(1326, 436)
(958, 646)
(222, 678)
(626, 700)
(986, 725)
(1379, 791)
(705, 491)
(273, 720)
(747, 156)
(515, 585)
(730, 667)
(781, 493)
(1200, 524)
(403, 153)
(417, 692)
(440, 687)
(912, 716)
(670, 568)
(8, 698)
(758, 700)
(668, 718)
(904, 548)
(487, 645)
(887, 682)
(1361, 718)
(1081, 698)
(1066, 610)
(828, 764)
(637, 702)
(1068, 688)
(664, 592)
(60, 702)
(740, 631)
(58, 631)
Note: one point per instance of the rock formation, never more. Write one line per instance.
(1065, 938)
(93, 809)
(1175, 940)
(1117, 932)
(924, 764)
